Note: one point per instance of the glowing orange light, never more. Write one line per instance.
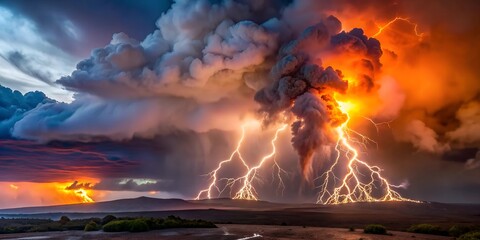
(25, 194)
(345, 106)
(82, 194)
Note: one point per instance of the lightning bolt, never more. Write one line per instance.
(247, 190)
(213, 174)
(80, 193)
(360, 180)
(415, 27)
(84, 195)
(378, 125)
(279, 171)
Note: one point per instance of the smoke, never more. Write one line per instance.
(423, 137)
(427, 79)
(469, 117)
(473, 163)
(303, 87)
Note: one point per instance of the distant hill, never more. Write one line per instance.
(147, 204)
(140, 204)
(394, 215)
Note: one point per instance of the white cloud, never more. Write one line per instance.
(20, 34)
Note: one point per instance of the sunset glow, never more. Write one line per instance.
(20, 194)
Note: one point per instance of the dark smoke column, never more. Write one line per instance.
(303, 87)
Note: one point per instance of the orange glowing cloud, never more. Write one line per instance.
(20, 194)
(82, 194)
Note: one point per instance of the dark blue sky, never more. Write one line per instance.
(93, 21)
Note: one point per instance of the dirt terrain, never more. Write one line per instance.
(394, 215)
(230, 232)
(239, 219)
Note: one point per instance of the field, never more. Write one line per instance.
(230, 232)
(243, 219)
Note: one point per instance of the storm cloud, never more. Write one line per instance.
(13, 106)
(173, 101)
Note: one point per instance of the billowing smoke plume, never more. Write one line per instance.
(302, 86)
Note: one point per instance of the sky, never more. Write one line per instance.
(102, 100)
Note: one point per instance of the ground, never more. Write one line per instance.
(230, 232)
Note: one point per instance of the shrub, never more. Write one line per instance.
(64, 220)
(375, 229)
(108, 219)
(76, 224)
(11, 230)
(135, 225)
(48, 227)
(172, 222)
(116, 226)
(470, 236)
(426, 229)
(138, 225)
(351, 229)
(91, 226)
(458, 230)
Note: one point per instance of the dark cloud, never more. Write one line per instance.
(76, 186)
(13, 106)
(126, 184)
(41, 163)
(177, 161)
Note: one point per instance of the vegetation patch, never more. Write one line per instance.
(427, 229)
(459, 230)
(109, 224)
(91, 226)
(470, 236)
(108, 219)
(375, 229)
